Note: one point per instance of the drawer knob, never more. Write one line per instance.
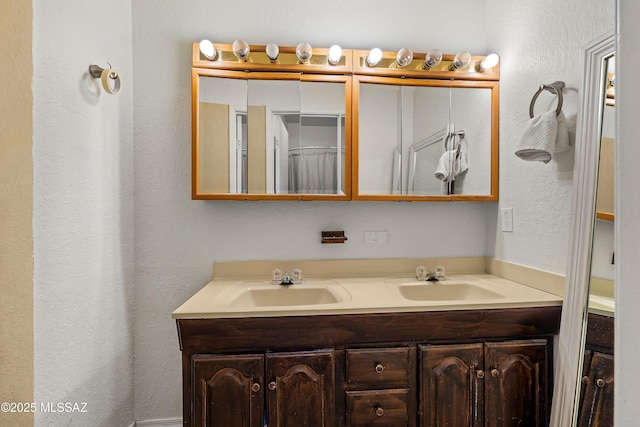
(379, 368)
(480, 373)
(495, 372)
(272, 385)
(379, 411)
(600, 382)
(255, 387)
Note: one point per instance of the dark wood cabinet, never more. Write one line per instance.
(596, 393)
(451, 385)
(301, 389)
(484, 384)
(517, 380)
(230, 390)
(472, 368)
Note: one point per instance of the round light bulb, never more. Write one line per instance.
(303, 52)
(375, 55)
(241, 49)
(489, 62)
(433, 58)
(273, 51)
(335, 53)
(404, 57)
(461, 60)
(208, 50)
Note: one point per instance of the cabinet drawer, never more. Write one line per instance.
(378, 407)
(379, 367)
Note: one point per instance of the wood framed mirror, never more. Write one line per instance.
(280, 129)
(265, 130)
(424, 134)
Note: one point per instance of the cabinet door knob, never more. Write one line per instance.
(379, 368)
(600, 382)
(495, 372)
(272, 385)
(480, 373)
(255, 387)
(379, 411)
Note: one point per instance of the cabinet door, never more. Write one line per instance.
(451, 385)
(516, 383)
(301, 389)
(228, 390)
(597, 402)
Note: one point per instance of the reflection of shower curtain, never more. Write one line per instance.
(312, 170)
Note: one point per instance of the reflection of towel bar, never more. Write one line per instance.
(555, 88)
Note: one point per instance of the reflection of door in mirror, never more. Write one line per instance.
(271, 103)
(296, 137)
(596, 394)
(222, 134)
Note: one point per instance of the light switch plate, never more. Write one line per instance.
(507, 219)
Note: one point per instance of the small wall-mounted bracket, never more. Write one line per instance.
(333, 237)
(106, 76)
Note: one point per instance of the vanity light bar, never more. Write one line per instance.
(433, 65)
(240, 56)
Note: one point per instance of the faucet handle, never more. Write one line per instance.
(297, 276)
(276, 276)
(439, 272)
(421, 272)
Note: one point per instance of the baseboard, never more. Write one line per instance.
(167, 422)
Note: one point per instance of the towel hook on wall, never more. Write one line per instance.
(555, 88)
(107, 75)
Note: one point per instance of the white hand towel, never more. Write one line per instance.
(450, 166)
(539, 140)
(562, 137)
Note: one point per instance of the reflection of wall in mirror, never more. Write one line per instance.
(379, 134)
(603, 234)
(430, 113)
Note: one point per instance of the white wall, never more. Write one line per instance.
(177, 240)
(539, 41)
(83, 213)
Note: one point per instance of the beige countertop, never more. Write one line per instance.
(228, 295)
(601, 297)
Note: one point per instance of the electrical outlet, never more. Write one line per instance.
(507, 219)
(376, 237)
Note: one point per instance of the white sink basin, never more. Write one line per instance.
(446, 291)
(264, 294)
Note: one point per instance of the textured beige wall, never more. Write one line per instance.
(16, 205)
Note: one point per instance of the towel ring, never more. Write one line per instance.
(555, 88)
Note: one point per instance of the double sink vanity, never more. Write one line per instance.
(363, 342)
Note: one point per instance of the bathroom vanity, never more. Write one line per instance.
(596, 394)
(476, 350)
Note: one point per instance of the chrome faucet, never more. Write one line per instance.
(278, 279)
(422, 273)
